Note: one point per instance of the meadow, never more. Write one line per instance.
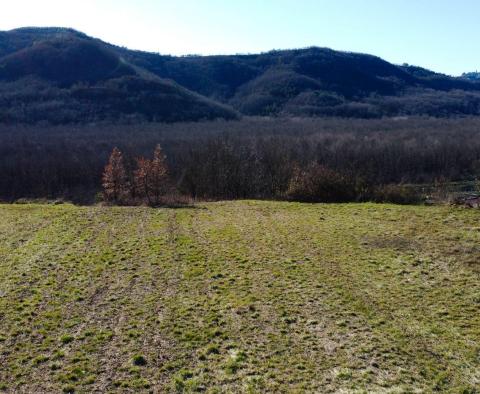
(244, 296)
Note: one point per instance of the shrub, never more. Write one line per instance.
(317, 183)
(397, 194)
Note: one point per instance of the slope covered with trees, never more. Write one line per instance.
(61, 76)
(316, 81)
(473, 76)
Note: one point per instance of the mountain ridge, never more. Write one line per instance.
(143, 85)
(59, 75)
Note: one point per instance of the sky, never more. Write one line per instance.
(441, 35)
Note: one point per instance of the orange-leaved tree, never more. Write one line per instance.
(114, 180)
(151, 177)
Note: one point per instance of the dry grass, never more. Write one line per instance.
(239, 297)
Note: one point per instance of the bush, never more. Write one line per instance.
(317, 183)
(397, 194)
(174, 199)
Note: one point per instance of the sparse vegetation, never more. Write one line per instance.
(239, 296)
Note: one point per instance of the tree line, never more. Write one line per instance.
(298, 159)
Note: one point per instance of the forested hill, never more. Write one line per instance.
(62, 76)
(316, 81)
(473, 76)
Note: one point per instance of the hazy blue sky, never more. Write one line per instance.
(442, 35)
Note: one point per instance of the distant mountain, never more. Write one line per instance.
(61, 75)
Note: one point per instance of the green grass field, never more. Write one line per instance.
(239, 297)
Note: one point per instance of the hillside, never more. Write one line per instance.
(62, 76)
(239, 297)
(473, 76)
(317, 81)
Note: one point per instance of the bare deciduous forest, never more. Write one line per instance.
(251, 158)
